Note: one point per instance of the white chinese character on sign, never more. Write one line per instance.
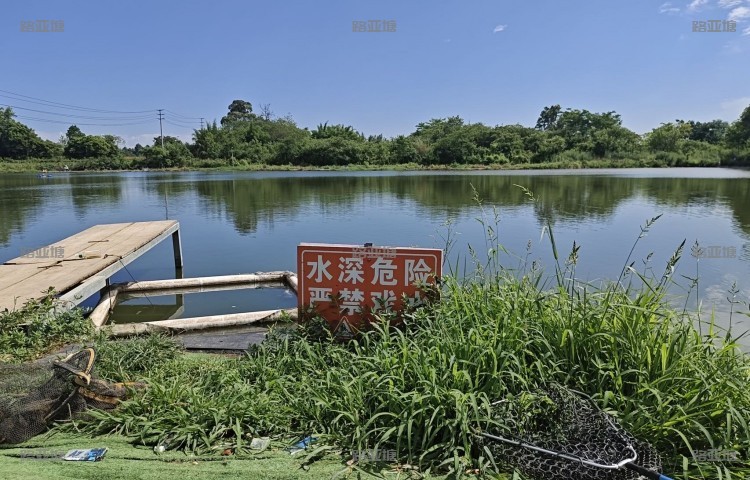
(383, 300)
(383, 272)
(319, 269)
(351, 301)
(351, 270)
(415, 301)
(416, 273)
(58, 252)
(318, 294)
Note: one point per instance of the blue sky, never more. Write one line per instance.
(495, 62)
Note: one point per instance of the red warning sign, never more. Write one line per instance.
(347, 284)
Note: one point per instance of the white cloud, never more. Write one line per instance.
(668, 8)
(739, 14)
(729, 3)
(499, 28)
(696, 5)
(746, 32)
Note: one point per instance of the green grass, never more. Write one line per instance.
(36, 328)
(124, 461)
(570, 161)
(421, 390)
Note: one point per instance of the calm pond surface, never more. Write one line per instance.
(246, 222)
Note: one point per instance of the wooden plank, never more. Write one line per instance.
(89, 239)
(118, 245)
(222, 341)
(112, 239)
(97, 282)
(70, 273)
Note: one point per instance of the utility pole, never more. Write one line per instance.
(201, 123)
(161, 132)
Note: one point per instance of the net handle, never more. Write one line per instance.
(615, 466)
(646, 472)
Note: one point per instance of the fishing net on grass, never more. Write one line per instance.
(558, 420)
(35, 395)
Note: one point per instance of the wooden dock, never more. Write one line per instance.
(81, 265)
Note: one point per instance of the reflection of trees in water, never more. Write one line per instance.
(571, 198)
(24, 196)
(92, 191)
(18, 201)
(250, 200)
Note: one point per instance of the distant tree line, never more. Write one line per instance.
(242, 136)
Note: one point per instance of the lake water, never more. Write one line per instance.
(246, 222)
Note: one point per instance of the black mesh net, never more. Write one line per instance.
(35, 395)
(558, 420)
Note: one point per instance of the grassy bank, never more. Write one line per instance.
(39, 459)
(568, 162)
(423, 389)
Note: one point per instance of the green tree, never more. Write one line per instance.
(17, 141)
(404, 150)
(668, 137)
(74, 132)
(337, 131)
(456, 147)
(207, 142)
(438, 128)
(578, 127)
(174, 153)
(239, 111)
(548, 118)
(513, 142)
(712, 132)
(91, 146)
(738, 134)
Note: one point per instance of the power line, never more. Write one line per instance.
(190, 127)
(116, 118)
(182, 122)
(77, 123)
(139, 117)
(74, 107)
(180, 115)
